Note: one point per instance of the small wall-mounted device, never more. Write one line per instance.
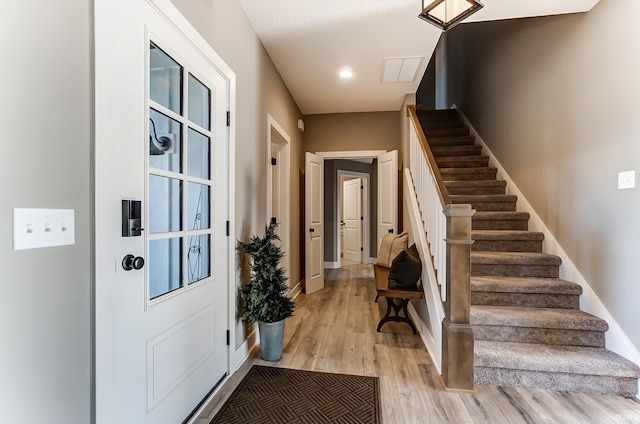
(131, 218)
(300, 125)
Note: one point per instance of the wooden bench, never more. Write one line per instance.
(397, 299)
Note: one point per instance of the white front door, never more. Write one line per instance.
(161, 107)
(352, 215)
(387, 194)
(314, 236)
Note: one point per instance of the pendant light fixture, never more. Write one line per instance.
(445, 14)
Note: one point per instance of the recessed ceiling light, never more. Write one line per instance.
(346, 74)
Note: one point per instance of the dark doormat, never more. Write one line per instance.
(269, 395)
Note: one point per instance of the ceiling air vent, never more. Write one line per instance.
(401, 69)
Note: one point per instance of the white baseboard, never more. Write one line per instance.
(332, 265)
(616, 339)
(296, 290)
(425, 335)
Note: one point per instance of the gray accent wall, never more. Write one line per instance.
(46, 294)
(556, 100)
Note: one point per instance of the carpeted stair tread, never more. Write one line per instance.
(475, 187)
(452, 140)
(474, 161)
(553, 358)
(510, 316)
(471, 198)
(442, 124)
(487, 202)
(515, 258)
(455, 151)
(474, 173)
(505, 234)
(445, 132)
(530, 285)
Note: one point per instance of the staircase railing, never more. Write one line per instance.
(448, 237)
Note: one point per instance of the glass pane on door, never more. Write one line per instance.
(165, 204)
(165, 142)
(165, 266)
(199, 103)
(165, 80)
(198, 210)
(199, 257)
(198, 156)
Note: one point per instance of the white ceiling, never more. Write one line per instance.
(311, 41)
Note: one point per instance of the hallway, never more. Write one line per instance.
(334, 331)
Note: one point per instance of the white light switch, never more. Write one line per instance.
(34, 228)
(626, 179)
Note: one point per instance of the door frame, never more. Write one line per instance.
(366, 212)
(277, 135)
(107, 212)
(350, 154)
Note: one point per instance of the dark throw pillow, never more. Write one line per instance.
(406, 270)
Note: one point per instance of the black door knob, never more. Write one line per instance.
(132, 262)
(391, 231)
(311, 230)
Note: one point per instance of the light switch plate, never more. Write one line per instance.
(34, 228)
(626, 180)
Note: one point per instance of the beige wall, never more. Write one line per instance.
(556, 99)
(260, 90)
(352, 131)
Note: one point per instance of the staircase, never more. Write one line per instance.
(528, 327)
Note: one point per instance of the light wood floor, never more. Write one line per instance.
(335, 331)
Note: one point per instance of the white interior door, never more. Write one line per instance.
(314, 228)
(352, 216)
(387, 194)
(169, 319)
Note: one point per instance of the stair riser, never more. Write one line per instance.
(456, 151)
(448, 132)
(435, 141)
(526, 300)
(470, 176)
(476, 190)
(490, 206)
(507, 246)
(500, 224)
(475, 163)
(547, 336)
(515, 270)
(564, 382)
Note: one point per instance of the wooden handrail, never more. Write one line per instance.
(443, 193)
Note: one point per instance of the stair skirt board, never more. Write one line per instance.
(528, 327)
(563, 382)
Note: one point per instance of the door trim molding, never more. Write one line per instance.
(352, 154)
(285, 139)
(366, 212)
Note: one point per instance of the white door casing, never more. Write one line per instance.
(353, 219)
(278, 185)
(366, 209)
(314, 236)
(155, 359)
(387, 194)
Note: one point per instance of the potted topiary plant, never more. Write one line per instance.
(265, 298)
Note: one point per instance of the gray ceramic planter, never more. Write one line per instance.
(271, 337)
